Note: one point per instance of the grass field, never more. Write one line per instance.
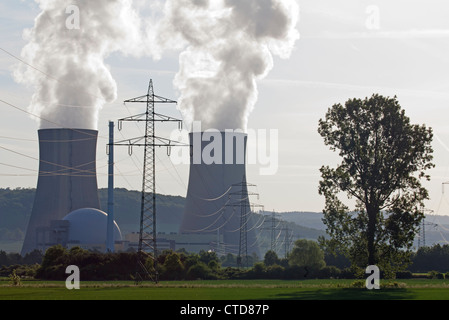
(413, 289)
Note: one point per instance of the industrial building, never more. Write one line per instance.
(66, 208)
(85, 228)
(67, 181)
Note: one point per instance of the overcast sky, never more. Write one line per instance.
(347, 49)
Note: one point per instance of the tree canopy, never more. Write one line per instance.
(384, 158)
(307, 253)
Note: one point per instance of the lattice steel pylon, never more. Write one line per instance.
(422, 229)
(243, 243)
(245, 209)
(272, 230)
(147, 247)
(289, 239)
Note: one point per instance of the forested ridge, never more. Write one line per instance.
(16, 206)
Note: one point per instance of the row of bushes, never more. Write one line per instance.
(92, 265)
(174, 266)
(431, 258)
(23, 270)
(8, 259)
(427, 275)
(437, 275)
(202, 271)
(170, 266)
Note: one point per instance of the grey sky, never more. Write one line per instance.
(341, 54)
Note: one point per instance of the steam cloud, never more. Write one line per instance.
(229, 45)
(225, 45)
(72, 81)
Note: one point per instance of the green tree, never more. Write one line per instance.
(15, 279)
(33, 257)
(229, 260)
(208, 256)
(54, 255)
(259, 269)
(173, 267)
(53, 263)
(199, 271)
(307, 254)
(384, 159)
(270, 258)
(214, 265)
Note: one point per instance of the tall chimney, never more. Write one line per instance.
(110, 223)
(67, 178)
(217, 172)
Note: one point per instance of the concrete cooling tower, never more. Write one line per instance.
(67, 179)
(214, 195)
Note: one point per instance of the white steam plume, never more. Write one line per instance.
(72, 81)
(229, 45)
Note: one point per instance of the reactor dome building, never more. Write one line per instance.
(87, 226)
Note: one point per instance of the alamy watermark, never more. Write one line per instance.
(373, 280)
(73, 20)
(73, 280)
(230, 146)
(372, 22)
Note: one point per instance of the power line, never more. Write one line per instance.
(50, 121)
(19, 139)
(243, 203)
(273, 228)
(62, 167)
(148, 234)
(29, 65)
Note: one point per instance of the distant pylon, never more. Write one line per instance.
(287, 239)
(272, 230)
(422, 229)
(245, 210)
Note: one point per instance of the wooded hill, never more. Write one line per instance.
(16, 206)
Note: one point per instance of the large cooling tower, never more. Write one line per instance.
(214, 195)
(67, 178)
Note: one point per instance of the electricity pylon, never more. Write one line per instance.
(245, 210)
(147, 235)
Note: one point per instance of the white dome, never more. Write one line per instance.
(88, 226)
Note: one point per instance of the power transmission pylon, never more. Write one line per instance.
(422, 229)
(287, 239)
(245, 209)
(147, 247)
(272, 229)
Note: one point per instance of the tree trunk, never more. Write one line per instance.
(372, 215)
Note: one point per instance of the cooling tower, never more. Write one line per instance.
(67, 178)
(214, 195)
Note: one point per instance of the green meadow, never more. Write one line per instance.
(410, 289)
